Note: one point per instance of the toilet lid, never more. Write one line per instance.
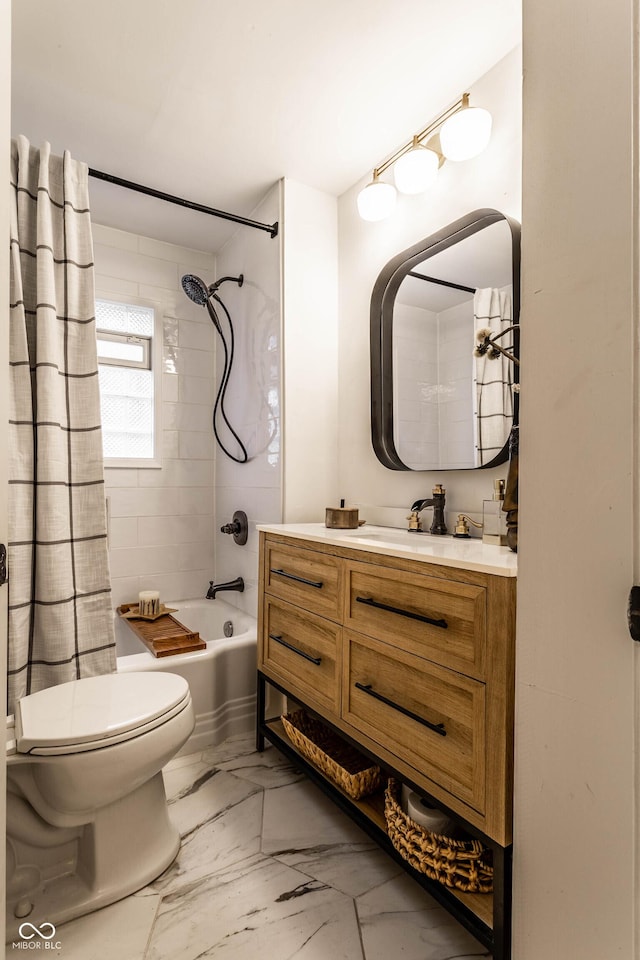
(96, 710)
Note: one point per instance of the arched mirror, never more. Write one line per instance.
(434, 404)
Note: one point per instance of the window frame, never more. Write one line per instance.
(144, 342)
(155, 365)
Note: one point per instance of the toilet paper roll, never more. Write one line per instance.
(429, 817)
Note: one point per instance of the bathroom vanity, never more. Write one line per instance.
(403, 644)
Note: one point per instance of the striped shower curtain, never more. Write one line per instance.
(494, 377)
(60, 617)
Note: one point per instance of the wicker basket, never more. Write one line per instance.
(339, 761)
(461, 864)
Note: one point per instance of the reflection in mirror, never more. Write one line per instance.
(435, 404)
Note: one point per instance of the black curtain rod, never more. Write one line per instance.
(442, 283)
(272, 228)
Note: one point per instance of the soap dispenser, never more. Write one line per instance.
(494, 521)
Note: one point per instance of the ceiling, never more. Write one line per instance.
(215, 101)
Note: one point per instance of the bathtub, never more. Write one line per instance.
(222, 678)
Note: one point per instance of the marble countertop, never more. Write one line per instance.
(447, 551)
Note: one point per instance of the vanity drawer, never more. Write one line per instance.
(442, 620)
(303, 651)
(311, 580)
(430, 717)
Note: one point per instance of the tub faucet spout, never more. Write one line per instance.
(237, 584)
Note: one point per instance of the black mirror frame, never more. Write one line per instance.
(381, 326)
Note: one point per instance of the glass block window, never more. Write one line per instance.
(127, 389)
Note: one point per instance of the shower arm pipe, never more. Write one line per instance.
(270, 228)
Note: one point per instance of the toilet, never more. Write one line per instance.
(87, 818)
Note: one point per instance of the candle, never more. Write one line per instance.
(149, 603)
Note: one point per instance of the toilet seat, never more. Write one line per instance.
(97, 712)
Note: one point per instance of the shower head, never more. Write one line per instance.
(195, 289)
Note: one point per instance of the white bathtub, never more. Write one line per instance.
(222, 678)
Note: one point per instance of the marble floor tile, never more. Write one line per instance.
(121, 930)
(220, 822)
(267, 769)
(242, 745)
(208, 795)
(353, 868)
(261, 908)
(400, 918)
(299, 816)
(180, 778)
(268, 868)
(184, 760)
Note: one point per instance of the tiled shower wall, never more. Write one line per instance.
(433, 379)
(254, 398)
(162, 520)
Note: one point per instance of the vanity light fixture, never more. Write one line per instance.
(463, 132)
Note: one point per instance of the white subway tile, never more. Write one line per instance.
(170, 416)
(110, 237)
(175, 530)
(196, 556)
(170, 444)
(195, 417)
(170, 251)
(198, 501)
(196, 446)
(124, 590)
(143, 501)
(107, 287)
(179, 473)
(170, 362)
(170, 387)
(123, 532)
(178, 585)
(196, 363)
(170, 332)
(140, 561)
(195, 390)
(120, 477)
(193, 261)
(196, 336)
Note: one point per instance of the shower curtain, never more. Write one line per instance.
(494, 377)
(60, 616)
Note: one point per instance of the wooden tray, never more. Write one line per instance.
(165, 636)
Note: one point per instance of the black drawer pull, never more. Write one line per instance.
(301, 653)
(292, 576)
(403, 613)
(436, 727)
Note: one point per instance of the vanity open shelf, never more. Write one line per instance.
(411, 662)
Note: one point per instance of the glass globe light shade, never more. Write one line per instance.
(466, 133)
(416, 169)
(377, 200)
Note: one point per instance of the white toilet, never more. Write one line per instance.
(87, 819)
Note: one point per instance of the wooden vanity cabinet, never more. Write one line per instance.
(413, 662)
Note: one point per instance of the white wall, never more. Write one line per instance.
(254, 399)
(490, 180)
(162, 520)
(5, 136)
(310, 318)
(575, 827)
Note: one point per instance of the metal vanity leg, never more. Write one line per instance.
(502, 879)
(260, 708)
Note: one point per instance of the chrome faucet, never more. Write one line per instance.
(438, 526)
(237, 584)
